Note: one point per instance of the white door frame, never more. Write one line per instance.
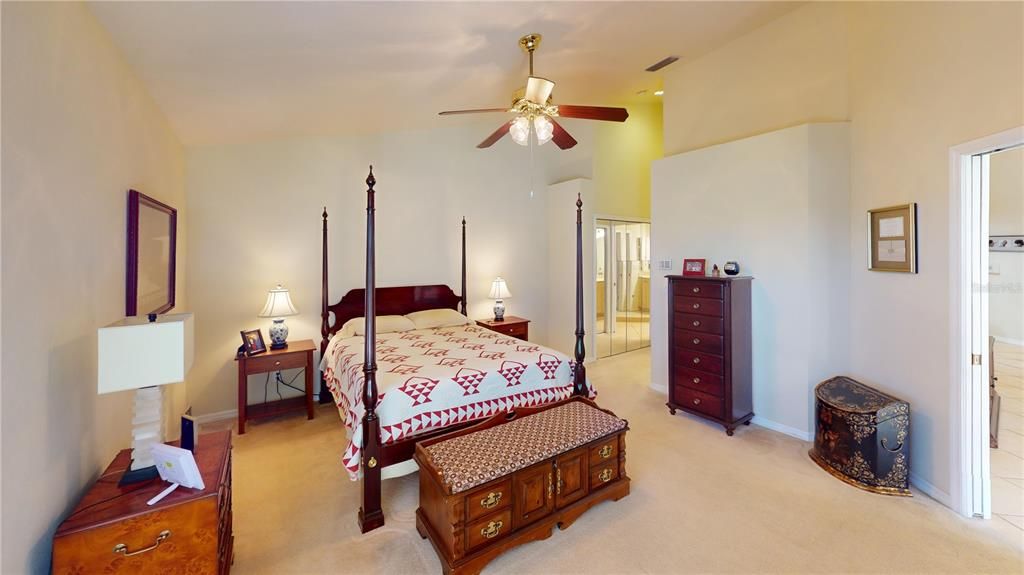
(971, 480)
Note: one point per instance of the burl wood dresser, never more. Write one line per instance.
(112, 530)
(512, 478)
(709, 348)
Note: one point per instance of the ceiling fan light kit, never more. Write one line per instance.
(535, 112)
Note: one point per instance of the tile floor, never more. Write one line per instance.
(1008, 458)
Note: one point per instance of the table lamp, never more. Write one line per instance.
(144, 354)
(278, 306)
(499, 291)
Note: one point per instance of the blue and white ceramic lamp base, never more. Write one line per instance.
(278, 334)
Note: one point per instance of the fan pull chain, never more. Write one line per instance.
(531, 168)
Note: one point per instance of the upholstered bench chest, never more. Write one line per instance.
(509, 480)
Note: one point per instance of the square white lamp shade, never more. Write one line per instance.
(279, 303)
(138, 354)
(499, 289)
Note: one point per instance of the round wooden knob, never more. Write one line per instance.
(696, 401)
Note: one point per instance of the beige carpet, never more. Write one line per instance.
(701, 502)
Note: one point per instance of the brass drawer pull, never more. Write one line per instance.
(492, 529)
(696, 306)
(605, 451)
(123, 549)
(696, 341)
(551, 486)
(696, 323)
(696, 380)
(558, 480)
(606, 475)
(696, 290)
(277, 363)
(492, 500)
(696, 360)
(696, 401)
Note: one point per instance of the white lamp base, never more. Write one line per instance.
(147, 425)
(499, 310)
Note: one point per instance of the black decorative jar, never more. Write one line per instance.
(862, 436)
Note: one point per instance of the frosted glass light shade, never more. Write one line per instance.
(499, 289)
(279, 303)
(544, 129)
(520, 130)
(134, 353)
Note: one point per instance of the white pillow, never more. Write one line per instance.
(442, 317)
(385, 324)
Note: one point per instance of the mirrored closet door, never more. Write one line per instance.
(623, 264)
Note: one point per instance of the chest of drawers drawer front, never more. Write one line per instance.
(275, 362)
(693, 379)
(488, 499)
(699, 361)
(700, 401)
(607, 450)
(697, 305)
(706, 342)
(697, 288)
(489, 529)
(701, 323)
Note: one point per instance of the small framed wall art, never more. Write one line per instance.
(892, 239)
(694, 267)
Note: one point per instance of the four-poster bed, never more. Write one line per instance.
(433, 380)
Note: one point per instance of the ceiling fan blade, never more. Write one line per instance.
(497, 135)
(561, 138)
(538, 90)
(480, 111)
(593, 113)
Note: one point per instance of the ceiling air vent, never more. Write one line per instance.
(659, 65)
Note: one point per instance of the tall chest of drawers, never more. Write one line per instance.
(709, 355)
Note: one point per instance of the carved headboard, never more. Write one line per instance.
(391, 301)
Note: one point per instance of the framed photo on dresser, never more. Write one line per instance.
(694, 267)
(892, 239)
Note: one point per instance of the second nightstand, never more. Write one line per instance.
(516, 327)
(297, 354)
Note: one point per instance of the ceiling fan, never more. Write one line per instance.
(532, 107)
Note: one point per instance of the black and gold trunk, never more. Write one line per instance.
(862, 436)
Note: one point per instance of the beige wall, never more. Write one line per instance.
(256, 221)
(78, 131)
(914, 79)
(622, 162)
(1006, 217)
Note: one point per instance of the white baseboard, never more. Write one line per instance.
(662, 389)
(216, 416)
(930, 490)
(1017, 342)
(783, 429)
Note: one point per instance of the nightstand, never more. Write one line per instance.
(112, 530)
(516, 327)
(298, 354)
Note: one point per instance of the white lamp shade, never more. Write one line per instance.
(135, 353)
(279, 303)
(499, 289)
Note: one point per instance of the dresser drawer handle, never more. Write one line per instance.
(696, 323)
(696, 341)
(696, 380)
(605, 452)
(492, 500)
(696, 401)
(696, 360)
(606, 475)
(696, 306)
(492, 529)
(696, 290)
(123, 549)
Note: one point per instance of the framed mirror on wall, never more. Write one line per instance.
(152, 238)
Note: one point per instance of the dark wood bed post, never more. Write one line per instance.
(371, 516)
(579, 376)
(325, 394)
(462, 303)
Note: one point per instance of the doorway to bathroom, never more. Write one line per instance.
(622, 250)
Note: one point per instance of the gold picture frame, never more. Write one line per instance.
(892, 239)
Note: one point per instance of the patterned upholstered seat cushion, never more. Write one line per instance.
(474, 459)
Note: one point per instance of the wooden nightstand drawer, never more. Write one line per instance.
(262, 364)
(511, 326)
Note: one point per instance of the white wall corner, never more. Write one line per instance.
(930, 490)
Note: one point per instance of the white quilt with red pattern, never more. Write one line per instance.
(432, 378)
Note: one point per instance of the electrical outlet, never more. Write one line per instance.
(665, 265)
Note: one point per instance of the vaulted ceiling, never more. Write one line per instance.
(244, 71)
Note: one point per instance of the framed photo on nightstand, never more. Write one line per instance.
(252, 342)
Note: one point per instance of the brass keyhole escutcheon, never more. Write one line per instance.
(492, 500)
(605, 476)
(605, 452)
(492, 529)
